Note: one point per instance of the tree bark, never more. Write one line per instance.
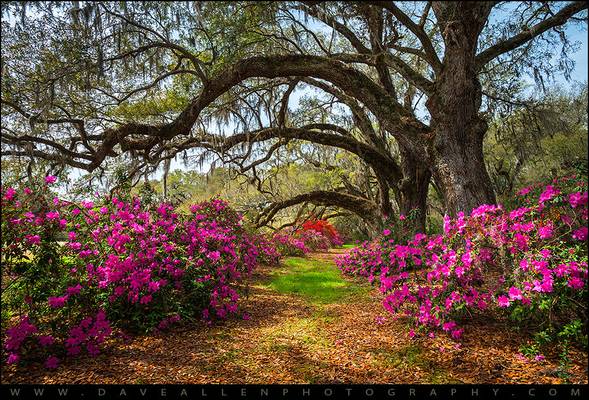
(456, 152)
(413, 190)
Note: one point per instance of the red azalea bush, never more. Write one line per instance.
(74, 272)
(325, 228)
(529, 262)
(312, 236)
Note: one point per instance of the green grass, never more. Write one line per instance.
(349, 246)
(319, 282)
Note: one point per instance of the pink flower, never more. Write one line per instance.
(52, 215)
(577, 199)
(52, 362)
(548, 194)
(545, 232)
(539, 358)
(214, 255)
(13, 358)
(575, 283)
(46, 340)
(73, 290)
(581, 233)
(545, 253)
(9, 194)
(33, 239)
(50, 179)
(386, 232)
(515, 293)
(524, 191)
(503, 301)
(457, 333)
(57, 302)
(448, 326)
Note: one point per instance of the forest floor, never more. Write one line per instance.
(308, 324)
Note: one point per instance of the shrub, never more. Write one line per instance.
(288, 244)
(73, 273)
(529, 262)
(312, 236)
(323, 227)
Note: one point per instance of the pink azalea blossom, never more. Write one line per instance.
(578, 199)
(9, 194)
(13, 358)
(515, 293)
(581, 233)
(46, 340)
(549, 193)
(503, 301)
(57, 302)
(545, 232)
(52, 362)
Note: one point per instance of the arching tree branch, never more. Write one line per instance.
(528, 34)
(364, 208)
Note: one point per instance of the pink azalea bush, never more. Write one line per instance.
(529, 262)
(288, 244)
(76, 273)
(291, 242)
(314, 240)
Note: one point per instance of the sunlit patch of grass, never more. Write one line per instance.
(301, 331)
(319, 282)
(349, 246)
(281, 347)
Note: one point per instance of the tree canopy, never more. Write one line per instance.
(395, 98)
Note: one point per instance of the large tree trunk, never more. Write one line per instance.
(457, 149)
(413, 190)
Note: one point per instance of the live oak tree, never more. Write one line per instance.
(546, 137)
(87, 82)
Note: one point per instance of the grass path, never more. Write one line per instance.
(307, 325)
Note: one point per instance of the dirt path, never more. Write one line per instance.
(289, 339)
